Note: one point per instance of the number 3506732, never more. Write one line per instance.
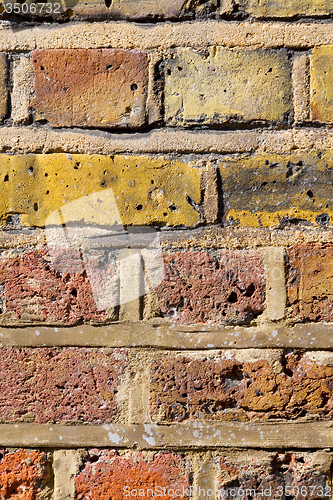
(32, 8)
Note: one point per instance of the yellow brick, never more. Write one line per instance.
(289, 8)
(263, 190)
(146, 190)
(227, 84)
(321, 74)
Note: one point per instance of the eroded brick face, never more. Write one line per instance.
(310, 282)
(34, 289)
(183, 388)
(23, 474)
(50, 385)
(273, 476)
(91, 87)
(221, 287)
(106, 473)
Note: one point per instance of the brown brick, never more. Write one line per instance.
(3, 86)
(227, 85)
(23, 474)
(310, 282)
(219, 287)
(321, 75)
(106, 473)
(91, 88)
(49, 385)
(273, 475)
(34, 289)
(184, 388)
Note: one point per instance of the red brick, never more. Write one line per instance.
(50, 385)
(225, 286)
(183, 388)
(23, 474)
(272, 475)
(106, 473)
(310, 282)
(35, 290)
(91, 87)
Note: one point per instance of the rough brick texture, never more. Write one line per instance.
(272, 190)
(321, 70)
(218, 287)
(281, 475)
(3, 86)
(24, 474)
(227, 85)
(50, 385)
(288, 8)
(184, 388)
(35, 290)
(310, 282)
(106, 474)
(91, 88)
(108, 190)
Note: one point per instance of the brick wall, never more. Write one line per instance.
(166, 249)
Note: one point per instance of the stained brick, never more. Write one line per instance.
(107, 474)
(321, 74)
(227, 85)
(49, 385)
(310, 282)
(24, 474)
(91, 88)
(268, 190)
(288, 8)
(225, 388)
(144, 190)
(221, 287)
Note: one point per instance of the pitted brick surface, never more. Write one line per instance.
(106, 474)
(183, 389)
(199, 287)
(50, 385)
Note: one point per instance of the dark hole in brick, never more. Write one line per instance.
(134, 87)
(173, 208)
(109, 66)
(36, 207)
(1, 456)
(77, 165)
(151, 182)
(322, 219)
(267, 162)
(30, 170)
(232, 298)
(168, 71)
(250, 290)
(42, 68)
(264, 184)
(46, 174)
(139, 207)
(165, 214)
(74, 292)
(270, 70)
(47, 192)
(310, 194)
(128, 109)
(180, 68)
(6, 179)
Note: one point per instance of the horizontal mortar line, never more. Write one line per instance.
(158, 334)
(166, 140)
(194, 434)
(165, 35)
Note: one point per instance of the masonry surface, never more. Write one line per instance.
(166, 249)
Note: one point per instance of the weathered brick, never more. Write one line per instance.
(310, 282)
(107, 474)
(117, 9)
(224, 388)
(321, 76)
(227, 85)
(267, 190)
(24, 474)
(219, 287)
(146, 190)
(273, 475)
(35, 290)
(288, 8)
(49, 385)
(3, 86)
(91, 88)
